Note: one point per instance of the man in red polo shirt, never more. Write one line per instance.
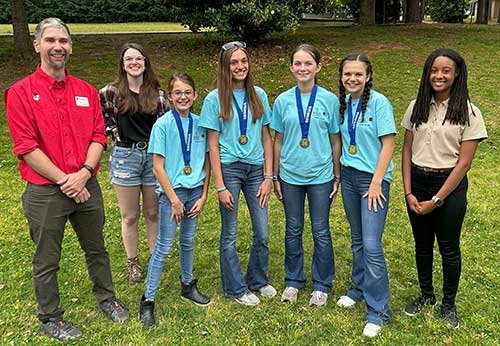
(57, 128)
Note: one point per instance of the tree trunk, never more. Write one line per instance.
(413, 11)
(23, 46)
(367, 12)
(483, 7)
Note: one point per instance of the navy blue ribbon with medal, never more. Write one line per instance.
(243, 117)
(305, 120)
(185, 142)
(352, 123)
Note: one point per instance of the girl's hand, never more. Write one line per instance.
(426, 207)
(413, 203)
(264, 192)
(333, 195)
(226, 198)
(177, 211)
(277, 190)
(375, 196)
(195, 211)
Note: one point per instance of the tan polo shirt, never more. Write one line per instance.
(436, 145)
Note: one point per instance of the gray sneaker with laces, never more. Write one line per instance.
(318, 298)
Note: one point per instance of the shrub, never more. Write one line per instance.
(447, 11)
(253, 19)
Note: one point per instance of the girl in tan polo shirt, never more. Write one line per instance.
(443, 130)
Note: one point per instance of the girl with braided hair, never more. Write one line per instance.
(443, 130)
(368, 129)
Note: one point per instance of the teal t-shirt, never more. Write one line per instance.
(165, 141)
(378, 122)
(229, 131)
(314, 164)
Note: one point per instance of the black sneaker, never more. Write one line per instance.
(114, 310)
(190, 292)
(416, 306)
(147, 312)
(61, 330)
(449, 315)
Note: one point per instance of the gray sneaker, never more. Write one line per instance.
(289, 295)
(114, 310)
(318, 298)
(61, 330)
(248, 298)
(267, 291)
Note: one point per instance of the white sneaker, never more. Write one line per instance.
(346, 302)
(318, 298)
(248, 298)
(371, 330)
(289, 294)
(267, 291)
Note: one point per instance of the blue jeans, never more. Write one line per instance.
(244, 177)
(131, 167)
(370, 280)
(166, 235)
(323, 265)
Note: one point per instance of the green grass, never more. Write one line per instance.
(76, 28)
(397, 53)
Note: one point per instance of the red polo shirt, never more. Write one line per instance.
(59, 118)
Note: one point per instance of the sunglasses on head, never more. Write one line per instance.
(233, 44)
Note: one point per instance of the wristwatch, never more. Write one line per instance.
(437, 201)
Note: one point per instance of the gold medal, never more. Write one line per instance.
(187, 170)
(352, 149)
(243, 139)
(304, 142)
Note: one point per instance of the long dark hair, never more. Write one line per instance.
(458, 102)
(368, 85)
(148, 94)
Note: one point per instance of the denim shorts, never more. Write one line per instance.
(131, 167)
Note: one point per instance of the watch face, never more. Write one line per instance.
(439, 202)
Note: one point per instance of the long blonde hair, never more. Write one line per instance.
(225, 87)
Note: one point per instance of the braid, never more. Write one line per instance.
(343, 105)
(368, 85)
(366, 98)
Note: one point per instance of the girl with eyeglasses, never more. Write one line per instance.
(237, 115)
(181, 165)
(130, 105)
(442, 131)
(368, 130)
(306, 159)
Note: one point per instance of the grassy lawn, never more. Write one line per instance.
(397, 53)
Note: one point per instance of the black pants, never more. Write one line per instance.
(47, 210)
(443, 223)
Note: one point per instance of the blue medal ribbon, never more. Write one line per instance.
(242, 114)
(352, 123)
(185, 144)
(305, 120)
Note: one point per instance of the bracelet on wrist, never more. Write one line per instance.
(407, 194)
(220, 189)
(89, 168)
(268, 176)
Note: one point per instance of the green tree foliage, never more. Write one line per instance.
(253, 19)
(447, 11)
(96, 11)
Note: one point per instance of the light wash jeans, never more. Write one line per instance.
(323, 265)
(244, 177)
(370, 281)
(166, 236)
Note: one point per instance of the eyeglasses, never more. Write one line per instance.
(179, 93)
(233, 44)
(138, 58)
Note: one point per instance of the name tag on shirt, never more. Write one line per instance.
(82, 101)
